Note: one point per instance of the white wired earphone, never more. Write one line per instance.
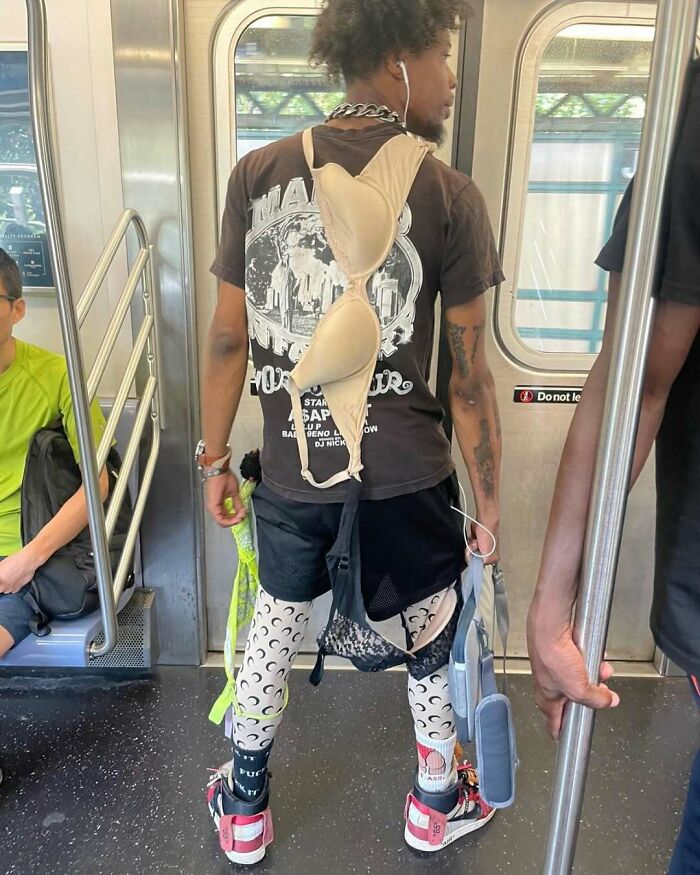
(471, 519)
(404, 70)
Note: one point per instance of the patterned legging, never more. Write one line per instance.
(274, 641)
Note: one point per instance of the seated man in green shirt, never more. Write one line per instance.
(34, 392)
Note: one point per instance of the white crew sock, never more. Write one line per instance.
(437, 766)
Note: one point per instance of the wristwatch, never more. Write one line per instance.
(211, 466)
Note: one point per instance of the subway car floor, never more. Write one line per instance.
(106, 774)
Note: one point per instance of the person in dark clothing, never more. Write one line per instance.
(668, 416)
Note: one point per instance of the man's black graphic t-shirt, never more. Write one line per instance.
(273, 246)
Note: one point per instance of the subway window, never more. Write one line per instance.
(589, 110)
(22, 221)
(276, 92)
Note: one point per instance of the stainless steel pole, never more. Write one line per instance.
(38, 77)
(675, 37)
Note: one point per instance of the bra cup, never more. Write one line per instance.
(360, 218)
(346, 339)
(363, 220)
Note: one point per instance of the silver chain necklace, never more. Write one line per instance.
(365, 110)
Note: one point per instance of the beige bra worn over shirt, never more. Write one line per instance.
(360, 217)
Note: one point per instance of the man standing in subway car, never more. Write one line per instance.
(669, 415)
(279, 276)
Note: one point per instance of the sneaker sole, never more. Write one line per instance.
(465, 829)
(240, 859)
(246, 859)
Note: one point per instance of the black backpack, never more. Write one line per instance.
(65, 588)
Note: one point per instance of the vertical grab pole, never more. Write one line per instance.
(675, 37)
(38, 77)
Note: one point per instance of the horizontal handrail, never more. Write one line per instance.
(115, 323)
(99, 274)
(17, 168)
(141, 274)
(123, 392)
(130, 456)
(124, 566)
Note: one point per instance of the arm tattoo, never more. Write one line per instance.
(455, 333)
(478, 331)
(464, 361)
(485, 463)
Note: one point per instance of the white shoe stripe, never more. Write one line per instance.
(249, 832)
(417, 817)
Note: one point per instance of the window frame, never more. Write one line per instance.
(232, 23)
(536, 40)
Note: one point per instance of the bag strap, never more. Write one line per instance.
(39, 621)
(307, 139)
(486, 656)
(472, 587)
(472, 579)
(502, 611)
(487, 670)
(338, 561)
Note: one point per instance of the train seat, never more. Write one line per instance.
(67, 645)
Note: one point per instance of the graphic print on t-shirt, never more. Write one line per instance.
(292, 278)
(451, 253)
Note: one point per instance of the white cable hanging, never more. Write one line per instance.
(476, 522)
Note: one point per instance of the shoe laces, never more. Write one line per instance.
(469, 785)
(221, 774)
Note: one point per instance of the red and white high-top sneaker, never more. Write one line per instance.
(244, 828)
(435, 820)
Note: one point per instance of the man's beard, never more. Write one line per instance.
(433, 132)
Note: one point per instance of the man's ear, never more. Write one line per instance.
(392, 65)
(19, 310)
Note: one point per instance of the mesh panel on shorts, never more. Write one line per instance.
(385, 601)
(290, 573)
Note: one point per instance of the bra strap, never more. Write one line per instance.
(307, 139)
(302, 443)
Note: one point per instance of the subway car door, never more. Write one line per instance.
(552, 105)
(561, 102)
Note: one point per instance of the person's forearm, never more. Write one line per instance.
(478, 430)
(68, 523)
(650, 420)
(224, 380)
(563, 547)
(557, 585)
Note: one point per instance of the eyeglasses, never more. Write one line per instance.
(8, 298)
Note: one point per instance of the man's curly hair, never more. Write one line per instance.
(353, 37)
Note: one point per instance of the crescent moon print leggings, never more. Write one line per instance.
(274, 641)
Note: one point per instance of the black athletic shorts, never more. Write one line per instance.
(411, 546)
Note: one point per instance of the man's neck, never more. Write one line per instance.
(8, 350)
(364, 92)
